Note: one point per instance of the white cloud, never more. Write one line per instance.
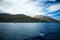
(52, 0)
(21, 7)
(43, 0)
(53, 8)
(26, 7)
(51, 15)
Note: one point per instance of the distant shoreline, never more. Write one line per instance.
(21, 18)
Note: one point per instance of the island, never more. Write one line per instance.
(5, 17)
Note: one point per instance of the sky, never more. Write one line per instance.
(31, 7)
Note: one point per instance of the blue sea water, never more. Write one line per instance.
(20, 31)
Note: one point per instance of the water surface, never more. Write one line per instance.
(20, 31)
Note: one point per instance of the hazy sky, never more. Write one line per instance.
(32, 7)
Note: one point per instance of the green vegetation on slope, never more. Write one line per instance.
(16, 18)
(4, 17)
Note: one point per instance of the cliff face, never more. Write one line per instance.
(4, 17)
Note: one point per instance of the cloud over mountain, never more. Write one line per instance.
(31, 7)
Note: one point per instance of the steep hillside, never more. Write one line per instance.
(5, 17)
(16, 18)
(45, 18)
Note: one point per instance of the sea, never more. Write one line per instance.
(21, 31)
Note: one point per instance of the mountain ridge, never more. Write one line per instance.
(44, 18)
(5, 17)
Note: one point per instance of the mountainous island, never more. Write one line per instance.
(5, 17)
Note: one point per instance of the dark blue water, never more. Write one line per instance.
(20, 31)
